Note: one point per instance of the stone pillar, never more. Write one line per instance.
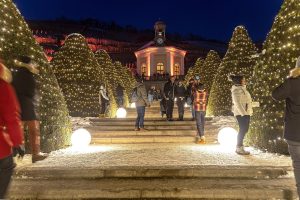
(152, 64)
(168, 64)
(182, 66)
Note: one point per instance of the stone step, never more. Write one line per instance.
(131, 132)
(129, 122)
(152, 189)
(143, 139)
(155, 109)
(130, 127)
(149, 127)
(220, 172)
(151, 116)
(154, 120)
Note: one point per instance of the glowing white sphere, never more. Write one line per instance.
(81, 138)
(186, 105)
(227, 136)
(121, 113)
(132, 105)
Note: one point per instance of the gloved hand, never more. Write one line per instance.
(19, 151)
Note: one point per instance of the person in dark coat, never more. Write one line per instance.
(25, 86)
(189, 99)
(180, 93)
(120, 95)
(11, 134)
(290, 92)
(169, 95)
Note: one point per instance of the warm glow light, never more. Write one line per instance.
(81, 138)
(132, 105)
(228, 137)
(186, 105)
(121, 113)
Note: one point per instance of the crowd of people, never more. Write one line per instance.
(18, 111)
(196, 96)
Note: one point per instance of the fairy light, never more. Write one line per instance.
(16, 38)
(281, 50)
(238, 60)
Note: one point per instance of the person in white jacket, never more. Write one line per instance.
(103, 100)
(242, 109)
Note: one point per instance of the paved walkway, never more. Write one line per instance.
(162, 155)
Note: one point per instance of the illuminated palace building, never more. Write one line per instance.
(160, 57)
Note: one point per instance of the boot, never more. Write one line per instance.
(202, 140)
(241, 151)
(34, 139)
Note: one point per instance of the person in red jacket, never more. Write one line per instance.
(11, 135)
(200, 99)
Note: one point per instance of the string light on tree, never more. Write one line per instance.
(238, 60)
(281, 49)
(17, 39)
(76, 69)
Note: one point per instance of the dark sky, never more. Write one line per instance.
(214, 19)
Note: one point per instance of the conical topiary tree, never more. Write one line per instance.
(194, 70)
(189, 75)
(197, 67)
(209, 69)
(108, 71)
(17, 39)
(239, 59)
(281, 49)
(76, 69)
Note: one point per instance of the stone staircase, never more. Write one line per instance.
(121, 131)
(153, 164)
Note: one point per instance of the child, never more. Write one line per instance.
(200, 98)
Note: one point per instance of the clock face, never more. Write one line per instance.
(159, 41)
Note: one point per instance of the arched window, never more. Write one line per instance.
(176, 69)
(144, 69)
(160, 69)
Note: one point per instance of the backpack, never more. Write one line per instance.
(134, 96)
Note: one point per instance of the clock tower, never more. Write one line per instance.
(160, 56)
(160, 33)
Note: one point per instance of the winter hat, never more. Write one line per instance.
(26, 62)
(197, 78)
(298, 63)
(5, 74)
(294, 73)
(200, 87)
(236, 79)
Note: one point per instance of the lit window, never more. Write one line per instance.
(160, 68)
(176, 69)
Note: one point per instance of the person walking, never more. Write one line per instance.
(199, 104)
(141, 103)
(242, 109)
(150, 95)
(120, 95)
(169, 95)
(289, 91)
(180, 93)
(103, 100)
(25, 86)
(11, 134)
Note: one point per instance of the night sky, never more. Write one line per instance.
(213, 19)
